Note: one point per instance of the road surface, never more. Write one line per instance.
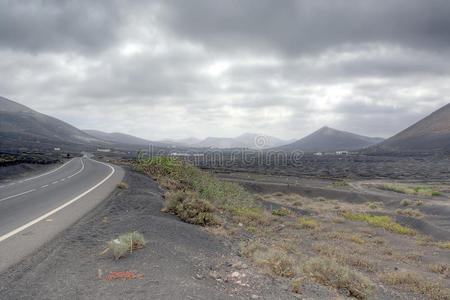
(35, 209)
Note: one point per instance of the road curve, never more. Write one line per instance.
(35, 209)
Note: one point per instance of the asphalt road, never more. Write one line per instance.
(34, 210)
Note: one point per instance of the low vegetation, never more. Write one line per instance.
(415, 283)
(417, 190)
(330, 273)
(195, 195)
(122, 186)
(379, 221)
(321, 245)
(308, 223)
(410, 212)
(126, 243)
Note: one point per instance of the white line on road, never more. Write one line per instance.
(23, 227)
(17, 195)
(44, 186)
(81, 170)
(54, 182)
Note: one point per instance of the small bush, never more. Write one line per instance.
(405, 202)
(410, 212)
(440, 268)
(122, 186)
(379, 221)
(348, 258)
(251, 216)
(308, 223)
(277, 261)
(251, 229)
(282, 212)
(126, 243)
(444, 245)
(328, 272)
(190, 208)
(341, 183)
(321, 199)
(375, 205)
(251, 248)
(417, 284)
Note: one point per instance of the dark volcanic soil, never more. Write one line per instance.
(10, 173)
(180, 261)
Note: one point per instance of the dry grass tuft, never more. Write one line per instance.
(441, 269)
(275, 260)
(417, 284)
(415, 213)
(343, 256)
(126, 243)
(191, 209)
(328, 272)
(308, 223)
(122, 186)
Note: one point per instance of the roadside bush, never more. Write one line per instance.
(191, 209)
(328, 272)
(182, 175)
(126, 243)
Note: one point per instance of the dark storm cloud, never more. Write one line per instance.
(60, 25)
(295, 27)
(285, 68)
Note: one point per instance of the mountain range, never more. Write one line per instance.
(22, 127)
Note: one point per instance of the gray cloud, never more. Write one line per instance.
(163, 69)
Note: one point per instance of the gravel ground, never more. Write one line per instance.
(180, 261)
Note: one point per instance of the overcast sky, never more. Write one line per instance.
(173, 69)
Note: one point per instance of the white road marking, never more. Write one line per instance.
(81, 170)
(39, 175)
(63, 179)
(23, 227)
(44, 186)
(54, 182)
(17, 195)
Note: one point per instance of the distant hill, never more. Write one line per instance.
(116, 137)
(328, 139)
(260, 141)
(22, 127)
(218, 142)
(430, 135)
(246, 140)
